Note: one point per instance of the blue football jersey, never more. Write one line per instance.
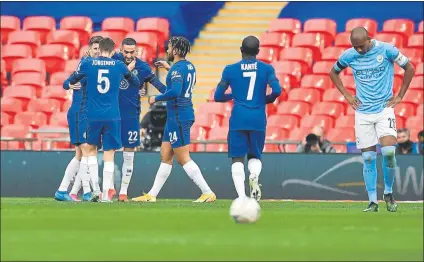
(373, 74)
(249, 79)
(180, 82)
(104, 76)
(79, 96)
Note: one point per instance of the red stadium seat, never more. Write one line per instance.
(403, 27)
(414, 134)
(334, 95)
(348, 81)
(55, 92)
(58, 78)
(287, 81)
(14, 131)
(26, 65)
(59, 119)
(54, 55)
(350, 111)
(391, 38)
(345, 121)
(322, 67)
(52, 145)
(23, 93)
(148, 41)
(328, 109)
(6, 119)
(327, 27)
(299, 54)
(417, 83)
(275, 40)
(420, 110)
(42, 24)
(421, 27)
(343, 40)
(33, 79)
(12, 105)
(222, 109)
(296, 108)
(311, 121)
(332, 53)
(414, 96)
(117, 37)
(219, 133)
(33, 119)
(267, 55)
(8, 24)
(71, 65)
(29, 38)
(66, 105)
(123, 25)
(405, 110)
(342, 134)
(310, 96)
(9, 53)
(159, 26)
(65, 37)
(415, 122)
(400, 122)
(274, 134)
(198, 133)
(369, 24)
(82, 25)
(415, 55)
(315, 41)
(208, 121)
(287, 122)
(319, 82)
(83, 50)
(419, 71)
(3, 73)
(297, 134)
(285, 25)
(45, 105)
(289, 68)
(416, 41)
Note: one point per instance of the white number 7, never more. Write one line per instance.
(252, 76)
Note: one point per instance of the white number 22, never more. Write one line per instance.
(252, 76)
(132, 136)
(191, 83)
(101, 79)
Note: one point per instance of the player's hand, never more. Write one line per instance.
(163, 64)
(152, 100)
(142, 92)
(86, 54)
(394, 101)
(75, 87)
(131, 65)
(353, 101)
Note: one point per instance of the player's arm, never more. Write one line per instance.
(220, 95)
(132, 79)
(150, 77)
(175, 90)
(397, 57)
(275, 87)
(79, 74)
(338, 67)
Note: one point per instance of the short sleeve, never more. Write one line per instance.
(394, 55)
(342, 62)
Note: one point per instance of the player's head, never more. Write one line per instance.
(106, 46)
(250, 46)
(178, 46)
(360, 40)
(93, 45)
(129, 50)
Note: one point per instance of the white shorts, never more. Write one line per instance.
(369, 128)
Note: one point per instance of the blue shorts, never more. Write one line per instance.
(177, 132)
(77, 123)
(246, 142)
(106, 132)
(130, 133)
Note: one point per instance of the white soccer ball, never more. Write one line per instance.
(245, 210)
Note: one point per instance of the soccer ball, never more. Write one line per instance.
(245, 210)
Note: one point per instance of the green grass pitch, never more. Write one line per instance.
(43, 229)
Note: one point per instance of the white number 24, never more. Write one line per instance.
(252, 76)
(191, 82)
(101, 79)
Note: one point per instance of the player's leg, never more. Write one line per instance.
(254, 164)
(366, 141)
(85, 172)
(386, 131)
(93, 135)
(237, 149)
(76, 187)
(180, 142)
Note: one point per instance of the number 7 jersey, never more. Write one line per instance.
(181, 108)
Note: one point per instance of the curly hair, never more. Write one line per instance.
(181, 45)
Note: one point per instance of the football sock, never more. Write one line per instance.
(108, 169)
(193, 171)
(255, 167)
(370, 174)
(77, 185)
(127, 171)
(161, 176)
(389, 167)
(70, 172)
(93, 167)
(237, 171)
(85, 176)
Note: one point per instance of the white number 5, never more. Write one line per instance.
(100, 79)
(252, 76)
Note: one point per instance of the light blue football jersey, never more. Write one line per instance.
(373, 74)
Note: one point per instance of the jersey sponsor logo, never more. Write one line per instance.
(380, 59)
(124, 84)
(371, 73)
(175, 74)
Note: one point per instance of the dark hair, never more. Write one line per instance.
(403, 130)
(250, 46)
(181, 45)
(311, 139)
(95, 40)
(107, 45)
(421, 133)
(129, 41)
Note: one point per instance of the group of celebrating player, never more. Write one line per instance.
(106, 107)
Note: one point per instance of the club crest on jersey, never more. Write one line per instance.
(380, 58)
(124, 84)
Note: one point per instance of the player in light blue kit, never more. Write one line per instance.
(104, 76)
(177, 93)
(372, 65)
(248, 79)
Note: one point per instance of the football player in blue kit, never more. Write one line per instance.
(177, 93)
(104, 76)
(77, 121)
(248, 79)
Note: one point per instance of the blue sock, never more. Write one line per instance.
(389, 167)
(370, 174)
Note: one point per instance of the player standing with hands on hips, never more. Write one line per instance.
(372, 65)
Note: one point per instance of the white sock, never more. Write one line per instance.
(127, 171)
(93, 167)
(161, 176)
(237, 171)
(255, 167)
(83, 173)
(70, 172)
(77, 185)
(193, 171)
(108, 169)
